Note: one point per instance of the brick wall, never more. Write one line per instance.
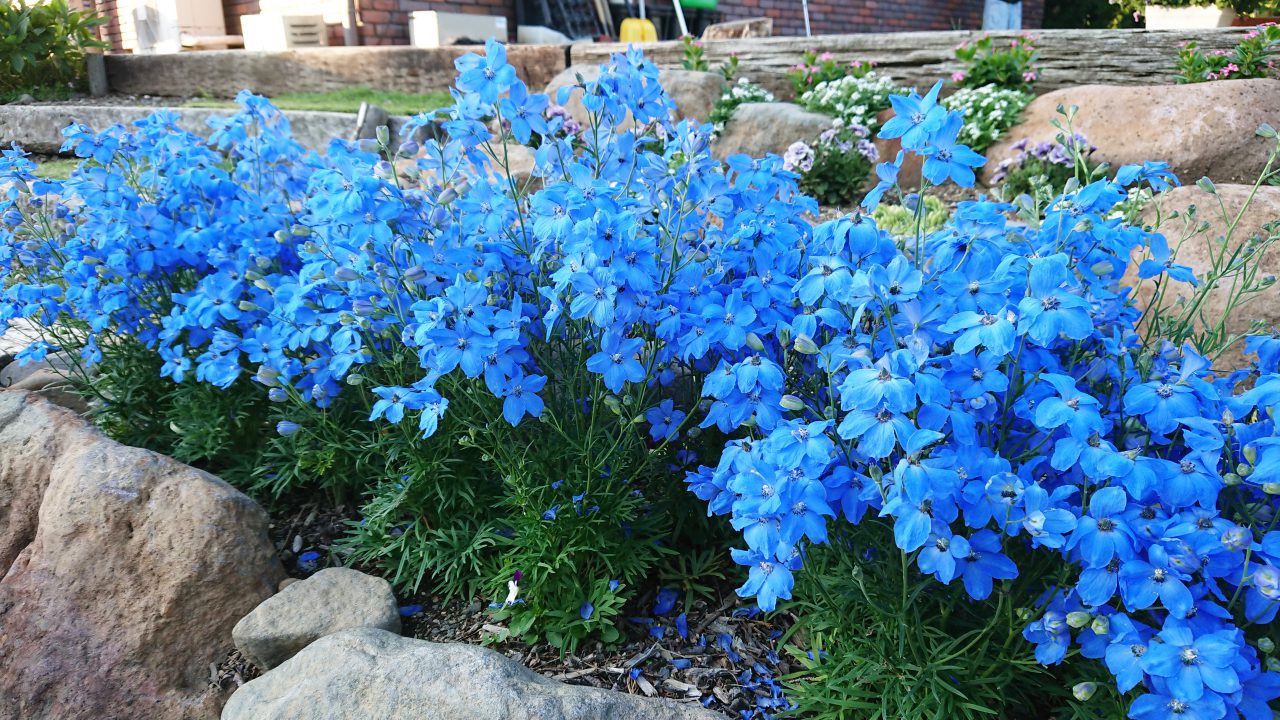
(828, 17)
(386, 22)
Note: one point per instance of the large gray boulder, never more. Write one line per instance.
(333, 599)
(757, 129)
(1204, 129)
(366, 673)
(123, 572)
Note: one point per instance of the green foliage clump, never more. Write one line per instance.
(877, 640)
(992, 61)
(1253, 57)
(901, 221)
(815, 69)
(42, 47)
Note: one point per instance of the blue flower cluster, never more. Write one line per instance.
(985, 393)
(989, 396)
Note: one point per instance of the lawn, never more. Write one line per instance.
(348, 100)
(57, 168)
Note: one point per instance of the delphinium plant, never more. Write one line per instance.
(504, 365)
(975, 418)
(158, 231)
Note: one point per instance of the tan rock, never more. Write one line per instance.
(757, 129)
(1198, 250)
(1204, 129)
(364, 673)
(333, 599)
(124, 572)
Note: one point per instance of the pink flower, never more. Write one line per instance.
(1250, 35)
(1029, 76)
(1230, 68)
(826, 56)
(957, 76)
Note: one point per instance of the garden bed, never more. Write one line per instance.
(648, 421)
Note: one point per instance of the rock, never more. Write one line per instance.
(761, 128)
(1195, 252)
(368, 119)
(694, 93)
(912, 164)
(758, 27)
(23, 99)
(1204, 129)
(333, 599)
(123, 572)
(368, 673)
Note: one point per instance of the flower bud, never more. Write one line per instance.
(1085, 690)
(355, 379)
(805, 345)
(1271, 488)
(613, 404)
(1101, 625)
(791, 402)
(277, 394)
(1244, 470)
(1206, 185)
(753, 342)
(1267, 645)
(1251, 453)
(383, 133)
(1079, 619)
(287, 427)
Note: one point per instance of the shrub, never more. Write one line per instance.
(989, 61)
(1253, 57)
(42, 47)
(989, 111)
(834, 169)
(900, 220)
(853, 100)
(1243, 7)
(814, 69)
(1043, 168)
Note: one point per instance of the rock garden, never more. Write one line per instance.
(654, 393)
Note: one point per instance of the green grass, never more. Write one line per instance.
(348, 100)
(57, 168)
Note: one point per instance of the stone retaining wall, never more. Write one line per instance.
(223, 73)
(1067, 57)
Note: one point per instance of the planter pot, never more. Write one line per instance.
(1160, 17)
(1252, 21)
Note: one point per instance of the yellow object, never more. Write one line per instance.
(637, 30)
